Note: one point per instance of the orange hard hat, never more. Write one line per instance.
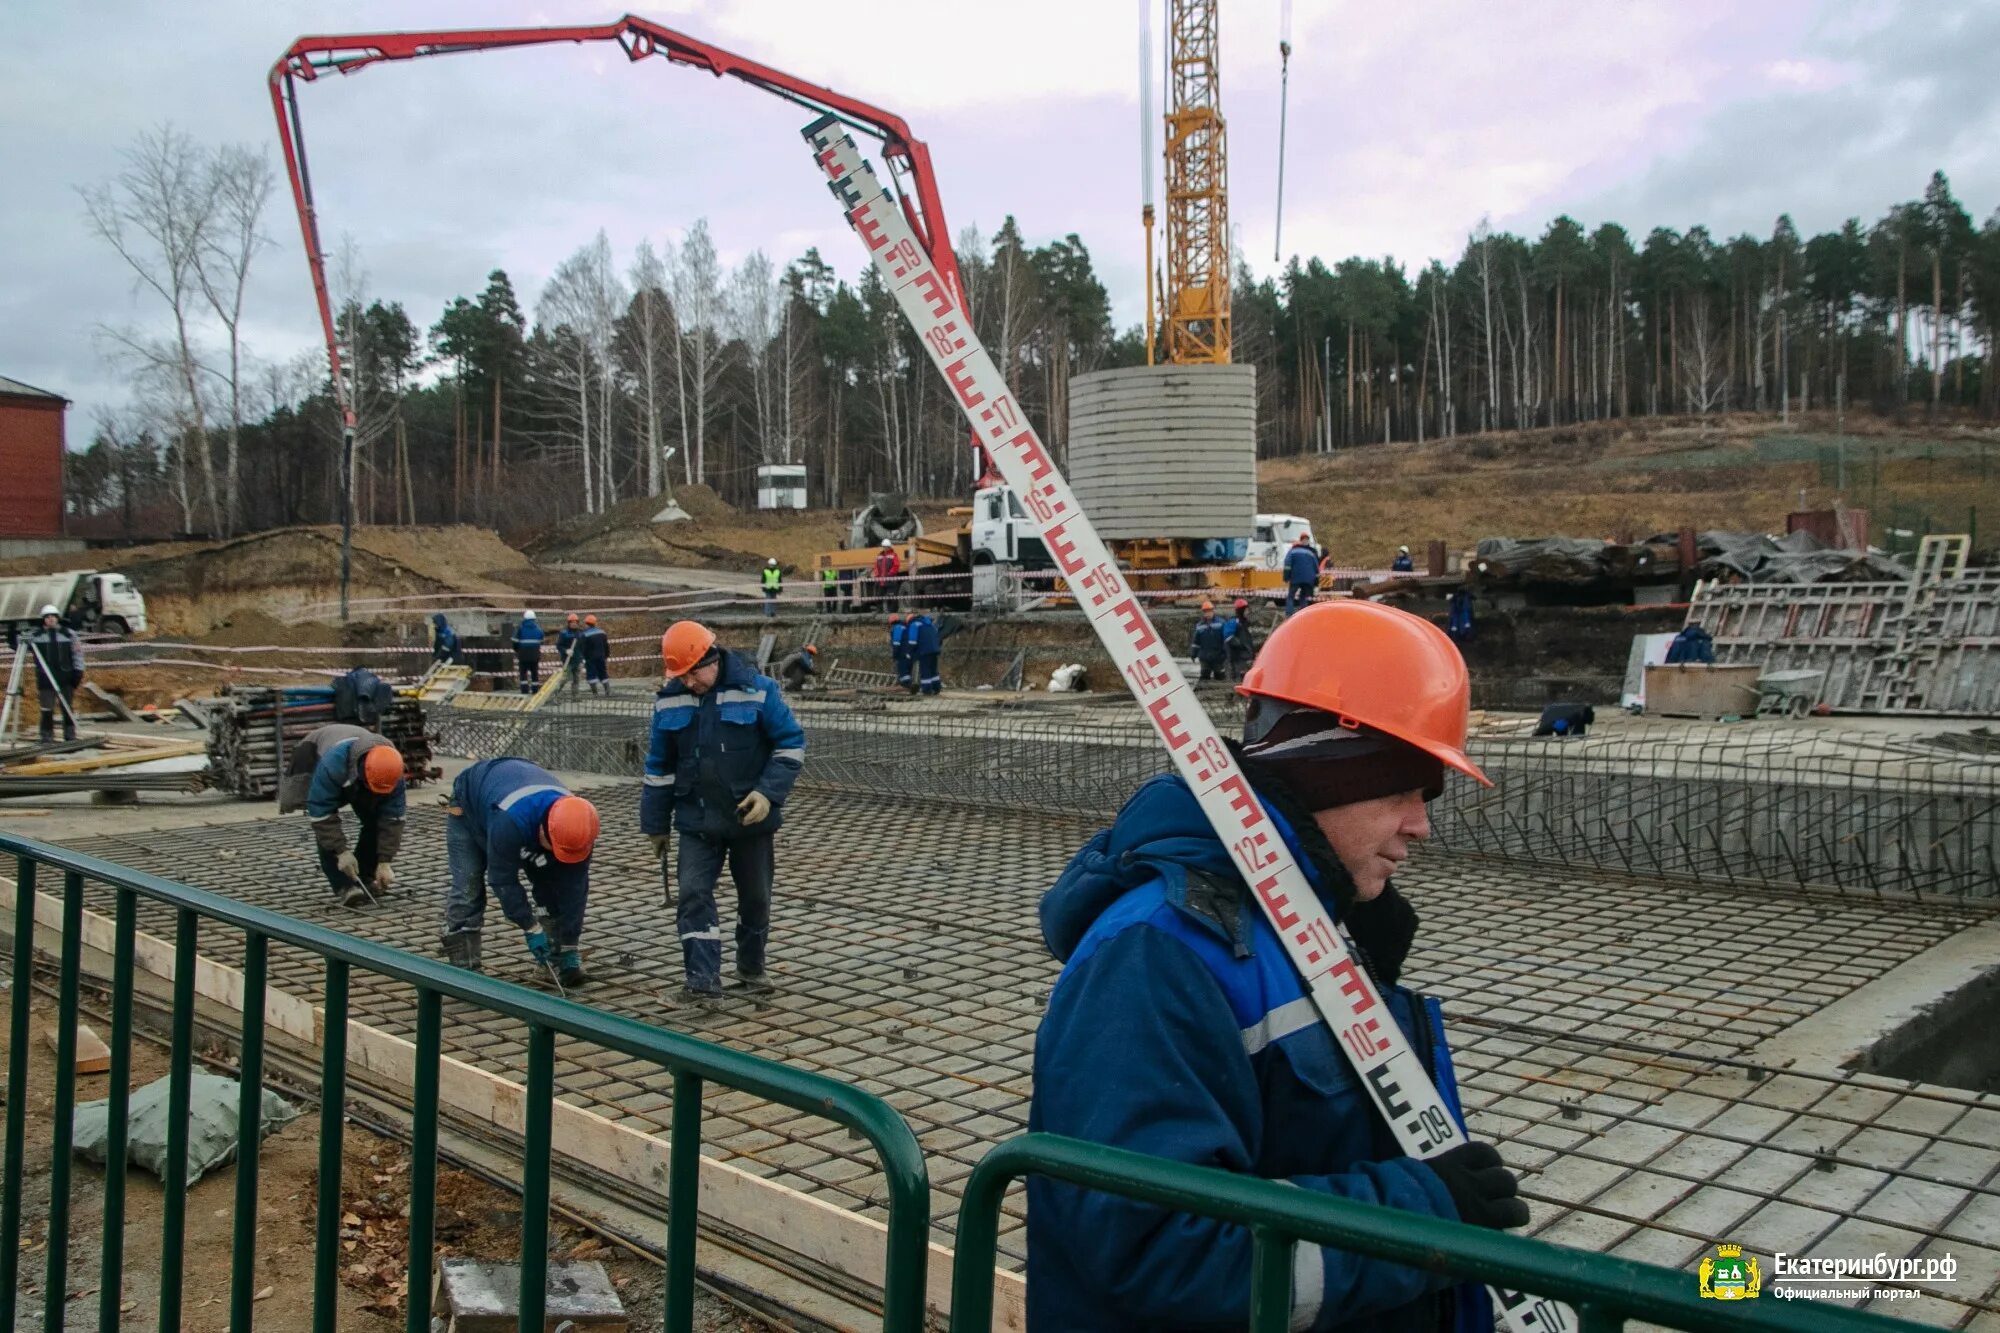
(572, 829)
(382, 769)
(684, 645)
(590, 619)
(1374, 666)
(813, 649)
(1207, 605)
(896, 620)
(572, 617)
(1241, 602)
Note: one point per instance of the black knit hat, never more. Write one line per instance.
(1326, 764)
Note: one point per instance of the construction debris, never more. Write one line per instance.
(92, 1055)
(252, 730)
(475, 1297)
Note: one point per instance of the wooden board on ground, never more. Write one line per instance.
(92, 1055)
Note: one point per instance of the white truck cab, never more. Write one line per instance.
(1272, 536)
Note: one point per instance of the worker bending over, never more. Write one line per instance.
(1301, 573)
(1180, 1027)
(900, 653)
(798, 668)
(345, 765)
(921, 637)
(510, 818)
(725, 752)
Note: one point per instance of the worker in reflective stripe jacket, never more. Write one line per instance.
(344, 765)
(509, 818)
(725, 752)
(1180, 1027)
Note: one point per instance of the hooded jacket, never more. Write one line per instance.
(1301, 565)
(444, 639)
(709, 751)
(1180, 1028)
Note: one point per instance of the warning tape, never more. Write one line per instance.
(1341, 990)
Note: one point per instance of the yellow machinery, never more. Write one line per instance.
(1194, 299)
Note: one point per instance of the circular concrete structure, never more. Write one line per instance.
(1165, 451)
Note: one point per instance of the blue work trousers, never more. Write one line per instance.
(1298, 595)
(465, 896)
(699, 866)
(928, 679)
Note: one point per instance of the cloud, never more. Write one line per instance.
(1408, 123)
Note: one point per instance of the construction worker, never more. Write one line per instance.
(1242, 637)
(921, 638)
(1209, 646)
(58, 657)
(829, 589)
(725, 752)
(568, 659)
(1458, 621)
(596, 649)
(1402, 564)
(900, 652)
(774, 583)
(1301, 573)
(342, 764)
(888, 566)
(1180, 1028)
(798, 668)
(528, 652)
(510, 818)
(444, 640)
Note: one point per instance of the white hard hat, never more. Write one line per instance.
(772, 561)
(527, 615)
(1402, 550)
(50, 610)
(886, 543)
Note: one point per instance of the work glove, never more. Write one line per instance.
(544, 953)
(753, 809)
(348, 866)
(1482, 1188)
(385, 877)
(661, 843)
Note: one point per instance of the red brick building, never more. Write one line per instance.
(31, 461)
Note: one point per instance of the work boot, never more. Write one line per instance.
(689, 997)
(569, 968)
(356, 896)
(754, 983)
(461, 949)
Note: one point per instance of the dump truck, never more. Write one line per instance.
(88, 599)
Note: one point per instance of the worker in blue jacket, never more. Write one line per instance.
(1242, 637)
(1301, 573)
(900, 653)
(725, 752)
(1402, 564)
(342, 765)
(528, 652)
(507, 819)
(596, 650)
(924, 646)
(1209, 645)
(444, 639)
(568, 660)
(1179, 1026)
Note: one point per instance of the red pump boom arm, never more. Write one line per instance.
(309, 57)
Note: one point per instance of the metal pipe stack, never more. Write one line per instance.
(252, 729)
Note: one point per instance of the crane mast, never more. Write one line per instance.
(1195, 302)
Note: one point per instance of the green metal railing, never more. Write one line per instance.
(691, 1062)
(1604, 1291)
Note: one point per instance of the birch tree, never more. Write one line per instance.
(652, 344)
(697, 293)
(755, 317)
(240, 184)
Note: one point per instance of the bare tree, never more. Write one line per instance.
(1704, 363)
(156, 214)
(652, 336)
(755, 318)
(239, 185)
(697, 292)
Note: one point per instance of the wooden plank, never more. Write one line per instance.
(92, 1055)
(120, 756)
(812, 1228)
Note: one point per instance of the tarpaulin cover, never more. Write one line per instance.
(211, 1124)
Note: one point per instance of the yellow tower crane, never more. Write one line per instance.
(1194, 303)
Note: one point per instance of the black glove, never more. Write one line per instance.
(1482, 1188)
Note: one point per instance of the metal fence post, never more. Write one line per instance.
(17, 1083)
(332, 1109)
(180, 1077)
(541, 1093)
(423, 1158)
(118, 1098)
(55, 1286)
(683, 1208)
(249, 1134)
(1270, 1281)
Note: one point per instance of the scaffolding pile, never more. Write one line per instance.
(251, 731)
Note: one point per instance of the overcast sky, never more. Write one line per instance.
(1409, 122)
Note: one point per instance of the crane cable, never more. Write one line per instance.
(1284, 99)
